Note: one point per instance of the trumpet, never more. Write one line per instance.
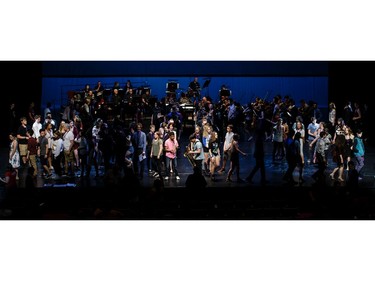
(189, 156)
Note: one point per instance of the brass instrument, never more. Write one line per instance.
(189, 156)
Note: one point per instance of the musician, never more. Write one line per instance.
(145, 101)
(129, 96)
(224, 92)
(194, 89)
(90, 95)
(177, 118)
(130, 106)
(98, 90)
(116, 99)
(197, 151)
(86, 90)
(128, 86)
(158, 115)
(184, 99)
(116, 85)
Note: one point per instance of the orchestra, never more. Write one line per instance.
(179, 109)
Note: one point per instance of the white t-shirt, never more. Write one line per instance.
(68, 137)
(36, 128)
(228, 140)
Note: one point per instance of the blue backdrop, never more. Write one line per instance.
(244, 89)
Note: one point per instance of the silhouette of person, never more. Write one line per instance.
(196, 180)
(259, 161)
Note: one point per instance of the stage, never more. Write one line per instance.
(105, 198)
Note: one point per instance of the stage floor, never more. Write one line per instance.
(274, 172)
(87, 198)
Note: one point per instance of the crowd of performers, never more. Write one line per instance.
(100, 129)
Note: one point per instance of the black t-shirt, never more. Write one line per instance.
(194, 86)
(22, 131)
(214, 146)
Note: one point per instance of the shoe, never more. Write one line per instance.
(340, 179)
(332, 177)
(166, 178)
(360, 178)
(177, 177)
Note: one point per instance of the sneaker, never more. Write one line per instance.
(166, 178)
(177, 177)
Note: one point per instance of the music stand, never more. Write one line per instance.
(205, 85)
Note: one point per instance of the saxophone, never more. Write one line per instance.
(189, 156)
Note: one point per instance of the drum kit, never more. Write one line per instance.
(175, 93)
